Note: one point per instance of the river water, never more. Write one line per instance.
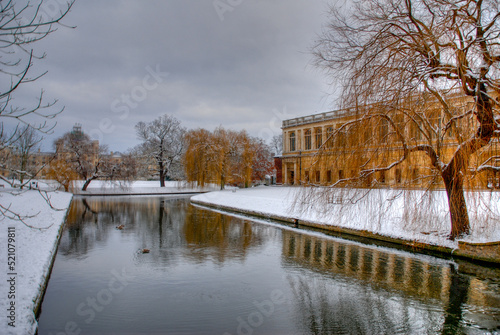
(211, 273)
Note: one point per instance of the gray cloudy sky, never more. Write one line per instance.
(243, 66)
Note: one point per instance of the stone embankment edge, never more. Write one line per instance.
(465, 250)
(46, 276)
(133, 194)
(105, 194)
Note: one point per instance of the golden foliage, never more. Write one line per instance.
(225, 157)
(62, 172)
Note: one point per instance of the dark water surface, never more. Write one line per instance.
(210, 273)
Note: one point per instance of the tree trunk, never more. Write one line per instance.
(21, 175)
(87, 183)
(453, 181)
(162, 178)
(222, 182)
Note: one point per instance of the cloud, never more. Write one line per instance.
(232, 73)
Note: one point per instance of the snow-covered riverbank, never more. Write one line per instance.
(28, 249)
(415, 216)
(149, 187)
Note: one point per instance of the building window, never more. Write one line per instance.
(306, 176)
(415, 132)
(319, 138)
(329, 176)
(318, 176)
(341, 174)
(383, 130)
(398, 176)
(329, 137)
(340, 136)
(382, 177)
(292, 141)
(414, 175)
(307, 137)
(367, 135)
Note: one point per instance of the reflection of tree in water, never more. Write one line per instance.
(373, 291)
(220, 237)
(91, 220)
(168, 227)
(160, 232)
(83, 229)
(458, 297)
(344, 308)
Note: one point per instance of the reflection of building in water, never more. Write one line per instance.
(214, 235)
(389, 271)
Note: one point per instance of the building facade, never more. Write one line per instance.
(348, 145)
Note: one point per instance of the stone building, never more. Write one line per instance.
(331, 147)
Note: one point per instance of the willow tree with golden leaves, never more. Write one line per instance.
(225, 157)
(62, 171)
(422, 76)
(197, 160)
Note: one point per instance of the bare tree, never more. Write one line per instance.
(162, 143)
(277, 144)
(16, 159)
(22, 24)
(122, 168)
(420, 73)
(26, 144)
(87, 158)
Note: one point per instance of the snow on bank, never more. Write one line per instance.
(410, 215)
(139, 187)
(26, 254)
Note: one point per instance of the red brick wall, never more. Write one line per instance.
(278, 167)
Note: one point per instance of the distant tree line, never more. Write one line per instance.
(167, 151)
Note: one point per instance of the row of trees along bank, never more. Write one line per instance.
(167, 152)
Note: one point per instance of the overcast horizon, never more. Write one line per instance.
(242, 66)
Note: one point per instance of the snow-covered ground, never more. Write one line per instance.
(27, 250)
(409, 215)
(140, 187)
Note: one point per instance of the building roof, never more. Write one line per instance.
(319, 117)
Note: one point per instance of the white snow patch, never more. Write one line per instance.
(410, 215)
(34, 250)
(140, 187)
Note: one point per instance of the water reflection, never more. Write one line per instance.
(215, 236)
(163, 225)
(380, 291)
(91, 221)
(205, 271)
